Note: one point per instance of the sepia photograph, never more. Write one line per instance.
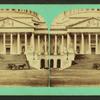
(67, 55)
(23, 48)
(75, 48)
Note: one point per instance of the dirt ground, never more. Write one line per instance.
(75, 77)
(40, 78)
(24, 78)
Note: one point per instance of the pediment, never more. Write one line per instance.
(10, 22)
(87, 23)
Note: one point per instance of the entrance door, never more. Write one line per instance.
(7, 50)
(23, 50)
(93, 50)
(51, 63)
(42, 63)
(58, 63)
(78, 49)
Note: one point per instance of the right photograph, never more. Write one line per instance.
(75, 48)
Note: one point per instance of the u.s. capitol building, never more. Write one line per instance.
(24, 37)
(75, 34)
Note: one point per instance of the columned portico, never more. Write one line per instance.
(88, 43)
(14, 43)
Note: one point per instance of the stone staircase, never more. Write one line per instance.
(85, 61)
(15, 59)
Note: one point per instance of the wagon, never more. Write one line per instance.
(16, 66)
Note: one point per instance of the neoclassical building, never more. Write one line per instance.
(75, 32)
(22, 32)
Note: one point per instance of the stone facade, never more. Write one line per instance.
(72, 32)
(23, 32)
(76, 32)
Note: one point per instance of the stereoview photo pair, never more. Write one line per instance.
(68, 55)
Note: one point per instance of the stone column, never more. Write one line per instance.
(18, 43)
(68, 41)
(45, 39)
(25, 42)
(96, 43)
(89, 36)
(75, 42)
(11, 43)
(55, 63)
(4, 42)
(62, 44)
(39, 44)
(32, 42)
(82, 43)
(55, 47)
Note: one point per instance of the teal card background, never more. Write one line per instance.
(49, 12)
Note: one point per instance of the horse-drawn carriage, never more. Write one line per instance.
(96, 66)
(16, 66)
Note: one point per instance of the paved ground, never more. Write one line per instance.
(75, 77)
(24, 77)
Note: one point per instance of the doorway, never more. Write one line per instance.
(51, 63)
(42, 63)
(23, 50)
(7, 50)
(78, 49)
(58, 63)
(93, 50)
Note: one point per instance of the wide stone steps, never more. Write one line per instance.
(85, 61)
(12, 59)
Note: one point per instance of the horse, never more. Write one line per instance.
(21, 66)
(96, 66)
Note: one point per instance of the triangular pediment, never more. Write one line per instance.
(87, 23)
(10, 22)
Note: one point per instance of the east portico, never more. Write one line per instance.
(75, 32)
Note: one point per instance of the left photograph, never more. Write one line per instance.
(23, 48)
